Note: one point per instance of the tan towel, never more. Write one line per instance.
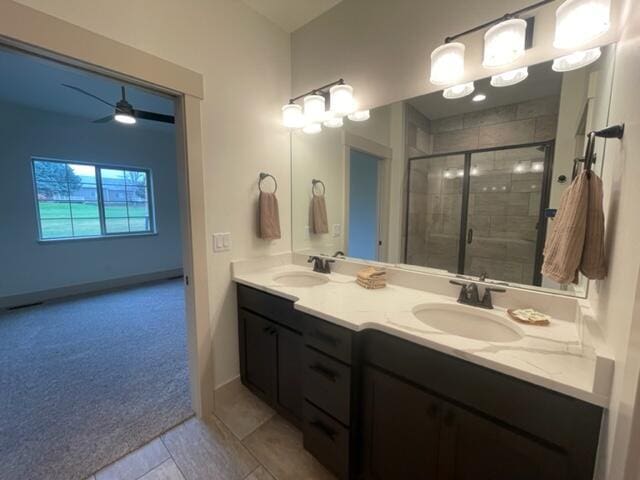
(269, 216)
(594, 263)
(371, 284)
(372, 273)
(576, 241)
(319, 221)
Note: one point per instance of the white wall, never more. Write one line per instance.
(29, 266)
(245, 61)
(617, 298)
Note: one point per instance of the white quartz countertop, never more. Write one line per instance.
(549, 356)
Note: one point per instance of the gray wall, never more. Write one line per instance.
(29, 266)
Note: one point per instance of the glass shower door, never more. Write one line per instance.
(434, 212)
(506, 188)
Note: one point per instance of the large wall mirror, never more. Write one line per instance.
(459, 187)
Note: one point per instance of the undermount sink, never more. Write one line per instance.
(301, 279)
(468, 322)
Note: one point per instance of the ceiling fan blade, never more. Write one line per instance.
(106, 119)
(88, 94)
(156, 117)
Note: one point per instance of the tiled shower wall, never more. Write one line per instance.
(503, 203)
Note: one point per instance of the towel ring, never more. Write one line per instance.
(314, 182)
(262, 177)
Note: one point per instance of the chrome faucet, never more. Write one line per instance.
(320, 265)
(469, 295)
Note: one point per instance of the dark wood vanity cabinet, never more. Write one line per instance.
(271, 351)
(374, 406)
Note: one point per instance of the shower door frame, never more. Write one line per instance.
(545, 190)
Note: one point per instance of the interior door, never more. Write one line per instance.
(506, 190)
(364, 205)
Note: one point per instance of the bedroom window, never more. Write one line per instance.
(81, 200)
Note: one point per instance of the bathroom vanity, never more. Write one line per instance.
(380, 399)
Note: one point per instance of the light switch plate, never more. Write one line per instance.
(221, 242)
(337, 229)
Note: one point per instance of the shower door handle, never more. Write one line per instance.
(470, 235)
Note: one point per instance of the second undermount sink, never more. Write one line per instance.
(469, 322)
(300, 279)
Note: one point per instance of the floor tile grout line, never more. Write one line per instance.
(171, 456)
(158, 466)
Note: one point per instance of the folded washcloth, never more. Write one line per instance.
(269, 216)
(371, 284)
(319, 221)
(372, 273)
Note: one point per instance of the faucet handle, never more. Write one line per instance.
(487, 301)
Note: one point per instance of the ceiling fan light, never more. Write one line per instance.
(580, 21)
(359, 116)
(509, 78)
(341, 100)
(504, 43)
(292, 116)
(447, 64)
(125, 118)
(458, 91)
(314, 108)
(576, 60)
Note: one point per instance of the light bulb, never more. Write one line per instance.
(341, 100)
(460, 173)
(576, 60)
(458, 91)
(509, 78)
(314, 109)
(580, 21)
(312, 128)
(124, 118)
(447, 64)
(359, 116)
(504, 43)
(537, 166)
(481, 97)
(474, 170)
(292, 116)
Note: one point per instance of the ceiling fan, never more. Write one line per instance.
(124, 111)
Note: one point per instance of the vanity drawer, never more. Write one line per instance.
(274, 308)
(328, 338)
(326, 440)
(327, 384)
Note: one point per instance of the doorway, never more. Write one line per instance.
(480, 212)
(364, 191)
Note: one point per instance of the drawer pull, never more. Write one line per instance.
(324, 371)
(322, 428)
(331, 340)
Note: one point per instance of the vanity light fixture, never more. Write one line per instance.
(447, 63)
(481, 97)
(326, 105)
(504, 43)
(509, 78)
(580, 21)
(359, 116)
(576, 60)
(458, 91)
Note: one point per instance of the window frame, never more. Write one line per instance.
(153, 230)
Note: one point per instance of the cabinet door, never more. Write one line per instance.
(401, 425)
(475, 448)
(260, 352)
(290, 371)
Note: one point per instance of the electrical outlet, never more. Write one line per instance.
(337, 229)
(221, 242)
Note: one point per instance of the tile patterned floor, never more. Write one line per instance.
(245, 440)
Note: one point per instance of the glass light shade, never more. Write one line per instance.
(124, 118)
(509, 78)
(292, 116)
(576, 60)
(341, 99)
(447, 64)
(333, 122)
(312, 128)
(359, 116)
(580, 21)
(314, 110)
(504, 43)
(458, 91)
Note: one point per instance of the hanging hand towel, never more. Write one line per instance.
(594, 264)
(320, 223)
(269, 216)
(563, 250)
